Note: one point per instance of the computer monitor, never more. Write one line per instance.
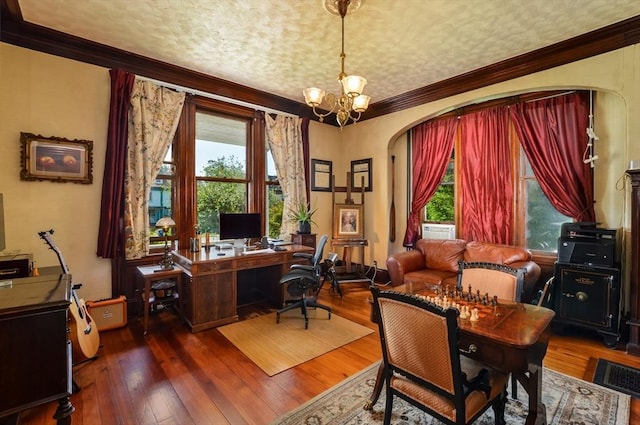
(240, 226)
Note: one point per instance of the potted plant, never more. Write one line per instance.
(302, 214)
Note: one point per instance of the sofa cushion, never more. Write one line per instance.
(427, 277)
(442, 254)
(494, 253)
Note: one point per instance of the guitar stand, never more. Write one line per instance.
(75, 388)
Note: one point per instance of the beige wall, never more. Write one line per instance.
(46, 95)
(51, 96)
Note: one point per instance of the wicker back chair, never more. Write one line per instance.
(423, 366)
(494, 279)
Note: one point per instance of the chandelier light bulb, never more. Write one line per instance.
(313, 96)
(353, 85)
(361, 103)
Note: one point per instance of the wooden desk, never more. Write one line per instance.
(35, 353)
(513, 341)
(150, 274)
(215, 285)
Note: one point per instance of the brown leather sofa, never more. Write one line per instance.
(435, 262)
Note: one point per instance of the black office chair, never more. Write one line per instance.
(304, 282)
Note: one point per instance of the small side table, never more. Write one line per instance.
(152, 274)
(307, 239)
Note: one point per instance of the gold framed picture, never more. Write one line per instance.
(348, 221)
(56, 159)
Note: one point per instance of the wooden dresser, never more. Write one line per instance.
(35, 351)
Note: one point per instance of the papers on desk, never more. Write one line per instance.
(258, 251)
(282, 243)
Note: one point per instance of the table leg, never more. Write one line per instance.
(533, 386)
(346, 254)
(147, 294)
(179, 286)
(532, 381)
(377, 388)
(64, 411)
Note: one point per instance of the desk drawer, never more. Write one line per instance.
(502, 357)
(254, 261)
(14, 269)
(215, 266)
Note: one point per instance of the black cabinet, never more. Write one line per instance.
(588, 296)
(15, 267)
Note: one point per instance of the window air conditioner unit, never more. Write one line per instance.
(438, 231)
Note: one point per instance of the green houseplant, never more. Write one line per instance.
(302, 214)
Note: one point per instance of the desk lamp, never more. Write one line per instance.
(167, 259)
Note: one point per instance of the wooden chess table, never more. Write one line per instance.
(509, 336)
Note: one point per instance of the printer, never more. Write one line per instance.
(585, 243)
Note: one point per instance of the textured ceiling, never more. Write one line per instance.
(283, 46)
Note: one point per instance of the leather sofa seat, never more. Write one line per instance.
(435, 262)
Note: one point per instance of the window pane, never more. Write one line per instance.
(275, 200)
(542, 220)
(275, 204)
(216, 197)
(441, 207)
(271, 167)
(159, 200)
(220, 139)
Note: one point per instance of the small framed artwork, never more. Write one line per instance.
(348, 221)
(361, 169)
(56, 159)
(321, 172)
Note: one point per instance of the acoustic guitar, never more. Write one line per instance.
(84, 330)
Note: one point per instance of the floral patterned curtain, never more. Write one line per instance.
(153, 119)
(284, 138)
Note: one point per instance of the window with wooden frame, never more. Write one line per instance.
(221, 163)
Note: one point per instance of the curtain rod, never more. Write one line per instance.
(215, 96)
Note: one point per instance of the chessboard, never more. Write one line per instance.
(473, 306)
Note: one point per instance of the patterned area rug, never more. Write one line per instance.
(568, 401)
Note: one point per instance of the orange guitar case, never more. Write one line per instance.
(109, 314)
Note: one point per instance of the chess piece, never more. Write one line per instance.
(474, 315)
(463, 313)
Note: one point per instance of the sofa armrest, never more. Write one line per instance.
(530, 278)
(404, 262)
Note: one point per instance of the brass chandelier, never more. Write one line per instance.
(351, 103)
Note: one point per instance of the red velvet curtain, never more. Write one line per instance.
(553, 136)
(431, 144)
(112, 204)
(486, 182)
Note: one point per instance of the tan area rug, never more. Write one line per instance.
(275, 347)
(568, 401)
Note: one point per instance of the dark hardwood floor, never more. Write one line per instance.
(172, 376)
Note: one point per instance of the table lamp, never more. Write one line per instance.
(167, 259)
